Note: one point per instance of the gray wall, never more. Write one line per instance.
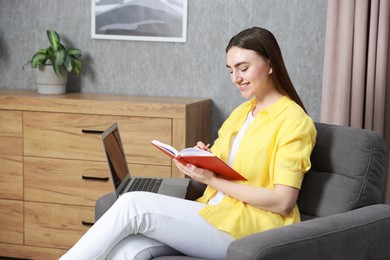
(192, 69)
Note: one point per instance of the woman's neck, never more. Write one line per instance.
(266, 101)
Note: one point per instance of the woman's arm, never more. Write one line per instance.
(280, 199)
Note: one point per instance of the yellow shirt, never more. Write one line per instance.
(275, 149)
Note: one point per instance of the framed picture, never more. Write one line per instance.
(140, 20)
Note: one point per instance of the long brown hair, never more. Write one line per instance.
(264, 43)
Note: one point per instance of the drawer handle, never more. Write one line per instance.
(94, 132)
(93, 178)
(87, 223)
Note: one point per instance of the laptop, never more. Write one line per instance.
(121, 177)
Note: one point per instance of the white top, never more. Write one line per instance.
(236, 144)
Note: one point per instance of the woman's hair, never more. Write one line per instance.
(264, 43)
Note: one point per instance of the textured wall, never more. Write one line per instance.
(192, 69)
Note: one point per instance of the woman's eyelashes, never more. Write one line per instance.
(240, 69)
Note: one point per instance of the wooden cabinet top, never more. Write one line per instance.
(104, 104)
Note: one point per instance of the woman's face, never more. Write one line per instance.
(249, 72)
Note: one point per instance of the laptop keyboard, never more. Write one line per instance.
(145, 184)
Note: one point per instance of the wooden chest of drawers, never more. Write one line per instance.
(52, 166)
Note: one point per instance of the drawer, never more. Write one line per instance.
(68, 181)
(30, 252)
(11, 221)
(11, 155)
(11, 174)
(11, 133)
(55, 225)
(60, 135)
(61, 181)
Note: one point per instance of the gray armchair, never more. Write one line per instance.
(342, 217)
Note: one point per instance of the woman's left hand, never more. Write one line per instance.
(198, 174)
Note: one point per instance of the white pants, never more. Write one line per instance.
(142, 225)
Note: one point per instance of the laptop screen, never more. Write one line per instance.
(115, 154)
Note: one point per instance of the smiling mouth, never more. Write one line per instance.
(243, 86)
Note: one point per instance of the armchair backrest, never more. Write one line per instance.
(348, 171)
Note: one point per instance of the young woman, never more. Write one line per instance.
(267, 139)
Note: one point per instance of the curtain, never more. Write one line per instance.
(357, 68)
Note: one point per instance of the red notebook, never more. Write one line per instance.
(199, 158)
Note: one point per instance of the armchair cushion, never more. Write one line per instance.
(348, 171)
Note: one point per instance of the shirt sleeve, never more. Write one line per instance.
(295, 145)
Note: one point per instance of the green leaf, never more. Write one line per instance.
(58, 57)
(54, 39)
(68, 63)
(56, 69)
(77, 66)
(74, 52)
(43, 51)
(38, 59)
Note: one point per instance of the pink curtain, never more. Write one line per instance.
(357, 68)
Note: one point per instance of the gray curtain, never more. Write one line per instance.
(357, 67)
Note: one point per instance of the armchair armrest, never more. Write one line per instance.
(103, 204)
(358, 234)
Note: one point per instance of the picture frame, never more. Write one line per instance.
(139, 20)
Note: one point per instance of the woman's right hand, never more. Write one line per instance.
(202, 146)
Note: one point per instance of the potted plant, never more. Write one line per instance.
(62, 59)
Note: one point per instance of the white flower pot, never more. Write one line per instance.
(48, 82)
